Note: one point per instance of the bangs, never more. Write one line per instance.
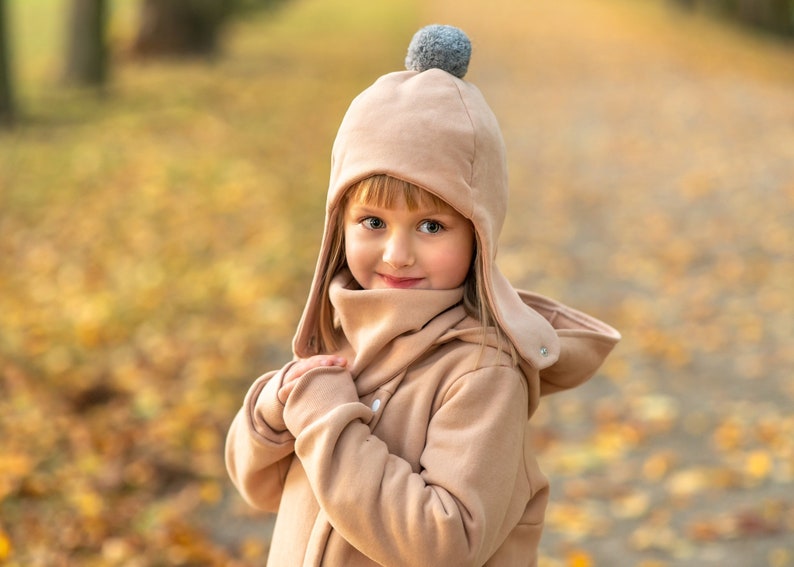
(384, 191)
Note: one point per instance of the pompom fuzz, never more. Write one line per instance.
(439, 47)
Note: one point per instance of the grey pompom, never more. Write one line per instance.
(439, 47)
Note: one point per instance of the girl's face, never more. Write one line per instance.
(396, 247)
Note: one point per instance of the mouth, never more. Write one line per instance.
(399, 283)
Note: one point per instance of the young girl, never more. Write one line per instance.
(398, 434)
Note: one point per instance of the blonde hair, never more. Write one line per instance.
(384, 191)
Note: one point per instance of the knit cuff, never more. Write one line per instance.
(268, 411)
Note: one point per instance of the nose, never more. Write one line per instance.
(398, 251)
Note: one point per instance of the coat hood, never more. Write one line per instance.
(435, 130)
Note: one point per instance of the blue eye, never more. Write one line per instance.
(430, 227)
(373, 223)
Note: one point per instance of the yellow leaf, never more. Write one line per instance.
(211, 492)
(729, 435)
(633, 505)
(579, 558)
(758, 465)
(657, 466)
(5, 545)
(780, 557)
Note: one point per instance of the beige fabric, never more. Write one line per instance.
(442, 473)
(417, 453)
(435, 131)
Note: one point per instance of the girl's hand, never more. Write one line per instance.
(301, 367)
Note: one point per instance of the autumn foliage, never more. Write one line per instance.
(156, 247)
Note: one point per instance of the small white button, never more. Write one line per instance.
(376, 405)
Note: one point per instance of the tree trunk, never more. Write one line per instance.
(87, 52)
(6, 91)
(775, 15)
(180, 27)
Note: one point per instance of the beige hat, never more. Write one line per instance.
(435, 130)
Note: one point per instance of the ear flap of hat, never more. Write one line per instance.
(530, 332)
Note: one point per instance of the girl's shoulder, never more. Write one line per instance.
(462, 354)
(468, 339)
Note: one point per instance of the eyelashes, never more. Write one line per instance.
(428, 226)
(431, 227)
(372, 223)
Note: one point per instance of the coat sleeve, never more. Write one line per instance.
(452, 511)
(259, 447)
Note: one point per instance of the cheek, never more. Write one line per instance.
(349, 241)
(455, 262)
(356, 251)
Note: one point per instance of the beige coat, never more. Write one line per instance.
(417, 453)
(417, 457)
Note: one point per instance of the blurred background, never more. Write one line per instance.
(163, 167)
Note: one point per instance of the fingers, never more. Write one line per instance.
(285, 391)
(301, 367)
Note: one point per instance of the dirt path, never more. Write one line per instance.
(652, 160)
